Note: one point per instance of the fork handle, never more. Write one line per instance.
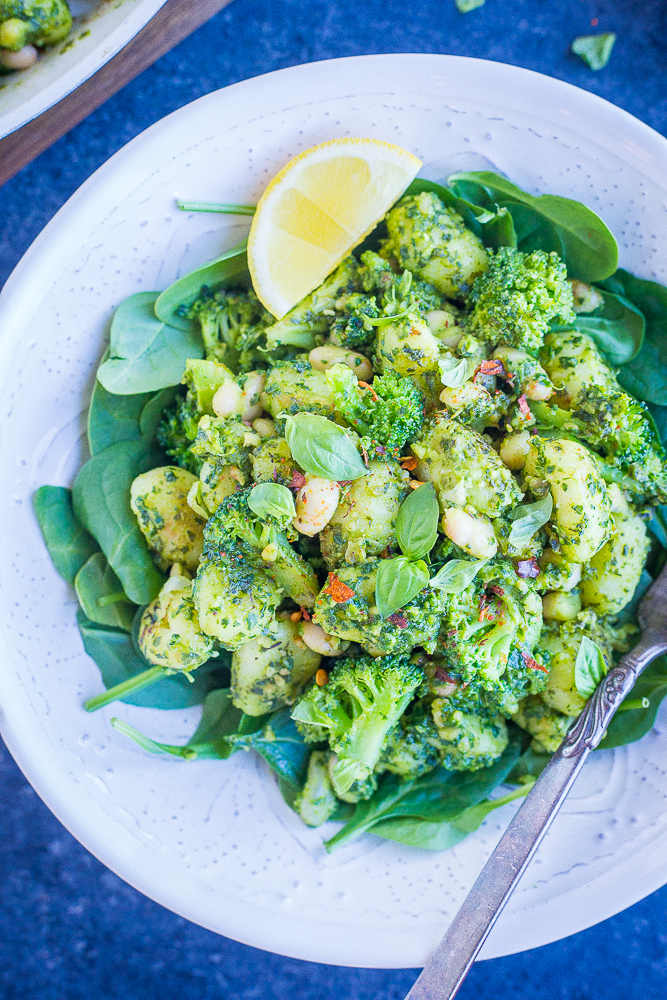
(449, 964)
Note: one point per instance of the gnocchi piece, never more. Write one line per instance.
(270, 670)
(172, 529)
(169, 633)
(611, 577)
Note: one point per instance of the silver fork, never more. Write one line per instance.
(449, 964)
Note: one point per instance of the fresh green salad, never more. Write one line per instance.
(392, 541)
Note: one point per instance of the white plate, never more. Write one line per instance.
(101, 29)
(214, 841)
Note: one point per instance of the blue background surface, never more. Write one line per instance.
(70, 929)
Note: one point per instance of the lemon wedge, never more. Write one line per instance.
(321, 205)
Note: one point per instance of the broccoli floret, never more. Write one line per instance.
(224, 441)
(353, 327)
(468, 740)
(235, 532)
(33, 22)
(517, 297)
(317, 801)
(431, 240)
(412, 748)
(355, 616)
(489, 629)
(390, 413)
(314, 314)
(359, 705)
(232, 324)
(545, 724)
(180, 420)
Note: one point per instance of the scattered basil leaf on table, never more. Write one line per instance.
(595, 50)
(101, 594)
(145, 354)
(529, 518)
(101, 500)
(465, 6)
(456, 575)
(617, 327)
(454, 372)
(114, 653)
(398, 580)
(68, 543)
(232, 266)
(438, 797)
(272, 500)
(417, 522)
(588, 247)
(322, 448)
(629, 726)
(590, 667)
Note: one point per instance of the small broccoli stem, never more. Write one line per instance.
(142, 680)
(300, 335)
(213, 206)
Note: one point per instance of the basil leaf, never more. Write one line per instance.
(101, 499)
(96, 581)
(454, 372)
(646, 375)
(587, 246)
(595, 50)
(231, 267)
(145, 354)
(398, 581)
(114, 653)
(437, 797)
(629, 726)
(590, 667)
(529, 518)
(272, 500)
(417, 522)
(464, 6)
(322, 448)
(617, 327)
(69, 545)
(456, 575)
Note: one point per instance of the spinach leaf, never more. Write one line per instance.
(152, 412)
(617, 327)
(114, 653)
(282, 746)
(528, 518)
(456, 575)
(646, 375)
(101, 594)
(101, 499)
(232, 266)
(322, 448)
(454, 372)
(417, 522)
(272, 500)
(588, 248)
(589, 668)
(659, 415)
(529, 765)
(595, 50)
(439, 836)
(398, 580)
(632, 724)
(533, 231)
(145, 354)
(69, 545)
(437, 797)
(113, 417)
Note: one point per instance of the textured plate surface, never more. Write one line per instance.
(213, 840)
(101, 29)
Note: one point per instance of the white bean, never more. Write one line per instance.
(320, 641)
(227, 399)
(23, 59)
(514, 450)
(253, 388)
(472, 534)
(316, 504)
(443, 325)
(328, 355)
(560, 606)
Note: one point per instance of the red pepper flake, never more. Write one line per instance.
(495, 367)
(451, 633)
(594, 22)
(298, 480)
(409, 463)
(353, 504)
(498, 591)
(338, 591)
(527, 567)
(398, 620)
(442, 675)
(533, 664)
(524, 407)
(305, 614)
(365, 455)
(380, 449)
(365, 385)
